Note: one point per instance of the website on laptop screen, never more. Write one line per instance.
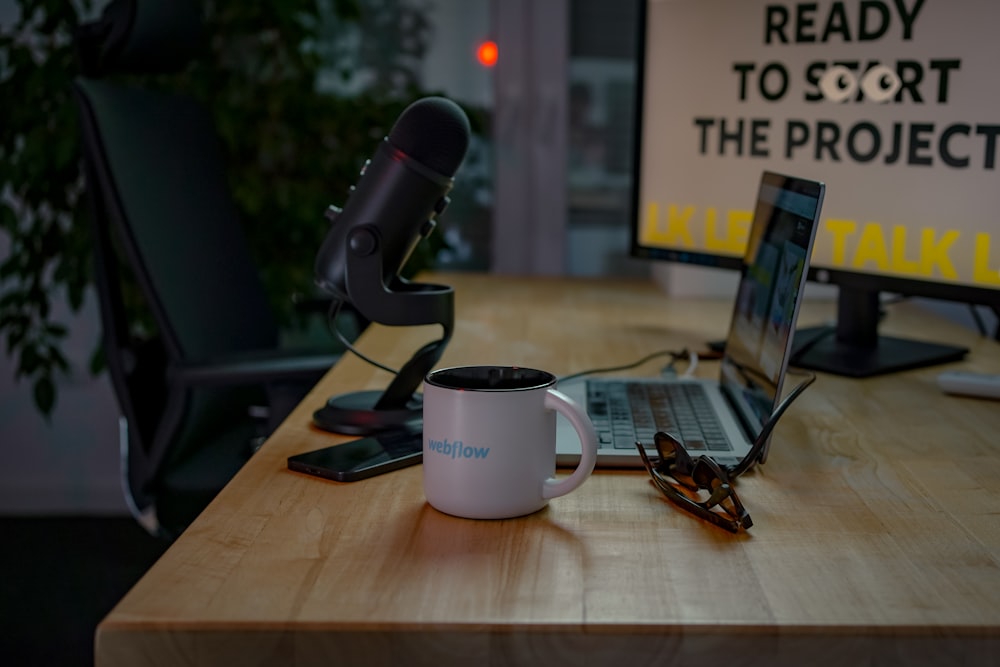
(767, 301)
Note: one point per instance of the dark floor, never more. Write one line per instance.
(59, 576)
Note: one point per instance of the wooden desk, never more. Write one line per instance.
(876, 537)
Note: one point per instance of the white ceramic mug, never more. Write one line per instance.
(490, 441)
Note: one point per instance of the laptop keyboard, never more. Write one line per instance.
(624, 411)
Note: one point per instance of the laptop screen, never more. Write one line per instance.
(767, 299)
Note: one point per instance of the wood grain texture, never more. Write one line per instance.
(876, 533)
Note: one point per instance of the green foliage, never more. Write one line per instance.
(292, 150)
(306, 148)
(40, 192)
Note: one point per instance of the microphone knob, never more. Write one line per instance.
(362, 241)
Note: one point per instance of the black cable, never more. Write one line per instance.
(799, 349)
(893, 300)
(331, 322)
(758, 446)
(978, 319)
(674, 356)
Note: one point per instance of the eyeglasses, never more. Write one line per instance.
(700, 485)
(695, 484)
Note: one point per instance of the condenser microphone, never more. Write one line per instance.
(392, 207)
(400, 192)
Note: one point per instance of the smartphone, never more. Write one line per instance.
(359, 459)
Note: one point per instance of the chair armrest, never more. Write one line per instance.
(255, 368)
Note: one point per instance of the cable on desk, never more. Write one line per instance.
(673, 354)
(331, 322)
(692, 365)
(799, 348)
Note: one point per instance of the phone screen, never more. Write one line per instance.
(366, 457)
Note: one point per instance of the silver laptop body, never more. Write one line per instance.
(720, 417)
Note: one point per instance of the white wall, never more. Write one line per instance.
(69, 463)
(450, 65)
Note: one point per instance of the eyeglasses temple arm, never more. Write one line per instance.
(765, 433)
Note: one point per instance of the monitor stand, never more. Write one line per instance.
(855, 349)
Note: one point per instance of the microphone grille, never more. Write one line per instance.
(434, 131)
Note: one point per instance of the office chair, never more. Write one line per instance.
(163, 214)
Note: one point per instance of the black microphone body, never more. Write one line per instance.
(400, 192)
(392, 208)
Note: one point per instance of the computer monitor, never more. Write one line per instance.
(859, 99)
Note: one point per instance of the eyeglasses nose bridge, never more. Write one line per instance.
(706, 474)
(720, 492)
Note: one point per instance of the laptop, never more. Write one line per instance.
(720, 417)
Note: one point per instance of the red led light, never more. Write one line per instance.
(487, 53)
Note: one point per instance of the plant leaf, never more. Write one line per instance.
(45, 395)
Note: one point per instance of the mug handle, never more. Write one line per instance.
(555, 400)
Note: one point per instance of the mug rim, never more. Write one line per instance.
(544, 381)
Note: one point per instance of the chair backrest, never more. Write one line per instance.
(164, 215)
(162, 181)
(160, 174)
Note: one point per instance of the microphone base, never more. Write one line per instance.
(355, 413)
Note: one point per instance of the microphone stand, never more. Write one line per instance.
(399, 303)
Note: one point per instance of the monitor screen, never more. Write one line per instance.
(884, 102)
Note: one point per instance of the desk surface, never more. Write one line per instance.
(876, 526)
